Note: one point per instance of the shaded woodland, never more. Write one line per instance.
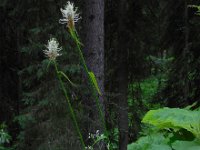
(145, 55)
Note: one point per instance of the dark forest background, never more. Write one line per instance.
(144, 53)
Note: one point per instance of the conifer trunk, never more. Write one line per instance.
(122, 77)
(185, 53)
(93, 39)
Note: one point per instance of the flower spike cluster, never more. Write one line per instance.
(53, 50)
(70, 15)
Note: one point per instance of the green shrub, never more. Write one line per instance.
(4, 137)
(177, 129)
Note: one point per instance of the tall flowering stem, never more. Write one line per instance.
(70, 17)
(91, 84)
(69, 105)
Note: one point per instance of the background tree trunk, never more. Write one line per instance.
(9, 79)
(186, 53)
(122, 77)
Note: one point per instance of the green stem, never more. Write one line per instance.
(70, 106)
(94, 92)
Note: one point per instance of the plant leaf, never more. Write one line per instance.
(186, 145)
(94, 81)
(174, 118)
(151, 142)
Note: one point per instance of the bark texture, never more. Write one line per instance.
(93, 39)
(122, 76)
(9, 80)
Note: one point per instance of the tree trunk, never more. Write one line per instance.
(122, 76)
(9, 79)
(185, 54)
(93, 39)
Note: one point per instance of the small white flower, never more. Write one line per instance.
(89, 135)
(53, 50)
(89, 148)
(70, 15)
(97, 133)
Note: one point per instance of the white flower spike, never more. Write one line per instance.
(70, 15)
(53, 50)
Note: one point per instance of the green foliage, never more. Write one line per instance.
(174, 118)
(161, 63)
(148, 88)
(175, 122)
(105, 139)
(24, 120)
(112, 143)
(186, 145)
(4, 137)
(196, 6)
(155, 141)
(94, 81)
(140, 96)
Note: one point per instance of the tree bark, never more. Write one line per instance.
(122, 77)
(185, 54)
(9, 79)
(93, 39)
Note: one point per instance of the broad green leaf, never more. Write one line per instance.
(174, 118)
(94, 81)
(186, 145)
(160, 147)
(151, 142)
